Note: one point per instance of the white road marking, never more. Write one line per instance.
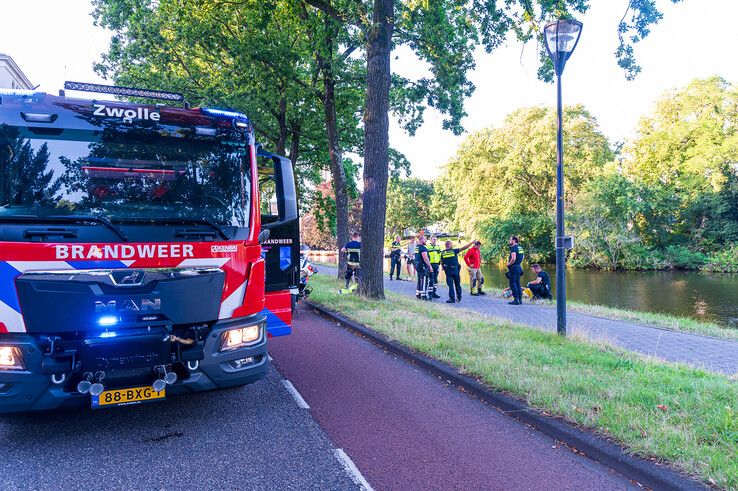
(353, 472)
(270, 358)
(295, 395)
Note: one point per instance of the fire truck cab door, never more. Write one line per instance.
(279, 215)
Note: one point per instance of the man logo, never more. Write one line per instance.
(128, 305)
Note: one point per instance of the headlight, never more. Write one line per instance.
(238, 338)
(11, 358)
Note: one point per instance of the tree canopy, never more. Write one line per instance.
(668, 199)
(408, 205)
(504, 173)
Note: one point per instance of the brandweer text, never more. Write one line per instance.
(124, 251)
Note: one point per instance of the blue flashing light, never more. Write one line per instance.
(108, 334)
(223, 112)
(21, 92)
(107, 320)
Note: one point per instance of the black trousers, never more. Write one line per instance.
(425, 284)
(453, 280)
(395, 263)
(514, 274)
(434, 273)
(539, 291)
(351, 271)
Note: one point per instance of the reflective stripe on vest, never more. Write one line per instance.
(434, 254)
(447, 254)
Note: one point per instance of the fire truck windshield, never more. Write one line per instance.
(179, 179)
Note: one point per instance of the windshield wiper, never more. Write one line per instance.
(90, 218)
(66, 218)
(202, 221)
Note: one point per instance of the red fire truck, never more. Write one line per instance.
(146, 250)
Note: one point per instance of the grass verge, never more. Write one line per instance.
(683, 324)
(686, 416)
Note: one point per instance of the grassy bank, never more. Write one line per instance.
(686, 416)
(684, 324)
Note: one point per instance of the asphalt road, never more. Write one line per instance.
(405, 429)
(254, 437)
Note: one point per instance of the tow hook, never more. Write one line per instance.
(58, 378)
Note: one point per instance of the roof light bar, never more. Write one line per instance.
(223, 112)
(124, 91)
(21, 92)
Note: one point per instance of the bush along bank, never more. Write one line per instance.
(682, 415)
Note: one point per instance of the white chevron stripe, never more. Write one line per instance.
(232, 302)
(24, 266)
(12, 319)
(211, 262)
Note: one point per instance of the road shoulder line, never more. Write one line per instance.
(351, 469)
(295, 394)
(653, 475)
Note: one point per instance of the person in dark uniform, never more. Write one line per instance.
(424, 269)
(452, 269)
(515, 270)
(352, 249)
(434, 254)
(395, 257)
(541, 286)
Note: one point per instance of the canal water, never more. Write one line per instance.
(702, 296)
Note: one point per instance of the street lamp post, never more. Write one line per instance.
(561, 37)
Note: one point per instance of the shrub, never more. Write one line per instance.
(680, 257)
(725, 261)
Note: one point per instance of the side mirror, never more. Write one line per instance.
(264, 235)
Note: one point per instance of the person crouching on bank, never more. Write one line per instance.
(541, 286)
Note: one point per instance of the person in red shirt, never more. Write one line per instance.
(473, 260)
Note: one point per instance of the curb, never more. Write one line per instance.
(650, 474)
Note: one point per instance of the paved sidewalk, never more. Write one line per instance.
(712, 354)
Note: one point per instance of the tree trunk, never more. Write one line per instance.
(281, 116)
(338, 173)
(294, 153)
(376, 149)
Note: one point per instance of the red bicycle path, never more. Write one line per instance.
(405, 429)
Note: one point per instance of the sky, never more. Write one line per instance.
(55, 40)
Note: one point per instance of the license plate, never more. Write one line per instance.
(126, 397)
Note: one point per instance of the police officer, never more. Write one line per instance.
(395, 255)
(434, 254)
(352, 249)
(424, 269)
(452, 268)
(515, 270)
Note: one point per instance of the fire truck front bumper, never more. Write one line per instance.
(31, 381)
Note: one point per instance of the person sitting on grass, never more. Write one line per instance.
(541, 286)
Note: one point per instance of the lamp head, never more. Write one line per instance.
(561, 37)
